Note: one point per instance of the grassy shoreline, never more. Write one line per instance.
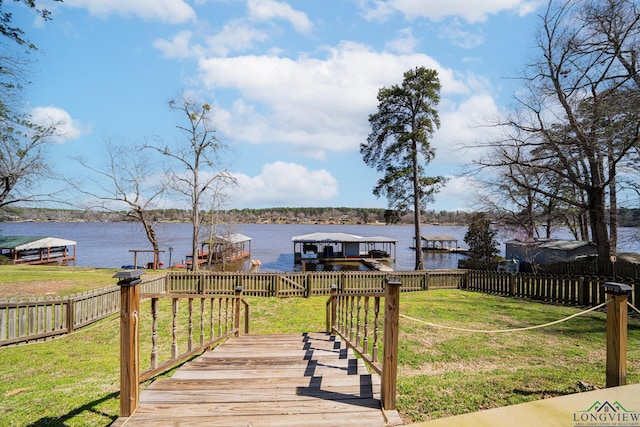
(74, 380)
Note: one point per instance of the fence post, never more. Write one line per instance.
(582, 291)
(332, 315)
(390, 345)
(616, 333)
(238, 304)
(129, 340)
(71, 314)
(512, 284)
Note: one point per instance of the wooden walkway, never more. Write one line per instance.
(267, 380)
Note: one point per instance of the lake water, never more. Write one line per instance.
(107, 245)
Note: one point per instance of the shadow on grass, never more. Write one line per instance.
(89, 407)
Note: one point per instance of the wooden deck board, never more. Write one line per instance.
(274, 380)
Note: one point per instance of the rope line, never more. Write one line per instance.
(495, 331)
(633, 306)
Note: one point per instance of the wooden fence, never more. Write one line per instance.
(559, 289)
(305, 284)
(589, 266)
(23, 320)
(30, 319)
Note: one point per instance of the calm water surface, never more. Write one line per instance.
(102, 244)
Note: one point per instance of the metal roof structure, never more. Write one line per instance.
(339, 238)
(439, 238)
(232, 238)
(554, 244)
(24, 243)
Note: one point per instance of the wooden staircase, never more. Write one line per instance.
(308, 380)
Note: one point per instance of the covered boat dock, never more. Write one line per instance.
(223, 249)
(230, 247)
(37, 250)
(342, 246)
(439, 243)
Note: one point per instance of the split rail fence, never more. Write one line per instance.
(29, 319)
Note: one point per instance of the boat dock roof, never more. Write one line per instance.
(438, 238)
(23, 243)
(231, 238)
(36, 249)
(339, 238)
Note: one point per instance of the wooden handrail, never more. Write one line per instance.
(228, 322)
(357, 322)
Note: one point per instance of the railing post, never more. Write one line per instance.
(390, 345)
(238, 305)
(332, 313)
(129, 340)
(616, 333)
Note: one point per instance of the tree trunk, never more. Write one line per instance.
(599, 232)
(194, 238)
(613, 204)
(150, 233)
(584, 229)
(416, 209)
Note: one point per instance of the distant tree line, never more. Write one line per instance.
(627, 217)
(321, 215)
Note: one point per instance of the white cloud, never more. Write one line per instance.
(66, 128)
(461, 37)
(455, 194)
(236, 36)
(470, 11)
(317, 105)
(170, 11)
(284, 184)
(179, 46)
(464, 127)
(266, 10)
(404, 43)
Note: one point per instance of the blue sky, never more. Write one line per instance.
(292, 83)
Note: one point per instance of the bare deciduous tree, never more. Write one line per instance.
(196, 166)
(23, 163)
(125, 181)
(566, 127)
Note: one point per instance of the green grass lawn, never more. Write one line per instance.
(74, 381)
(52, 280)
